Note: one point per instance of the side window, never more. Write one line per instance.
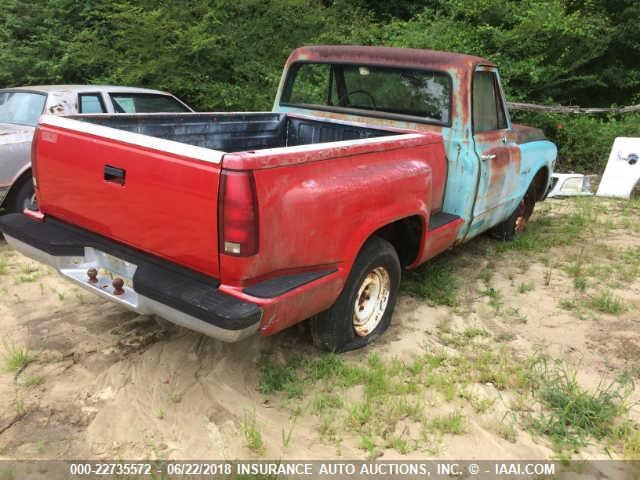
(91, 103)
(488, 111)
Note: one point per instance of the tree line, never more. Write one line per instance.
(228, 54)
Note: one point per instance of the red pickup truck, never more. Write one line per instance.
(230, 223)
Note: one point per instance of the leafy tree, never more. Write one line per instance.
(228, 54)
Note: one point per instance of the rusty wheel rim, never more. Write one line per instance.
(371, 301)
(521, 218)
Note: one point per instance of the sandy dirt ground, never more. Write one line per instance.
(106, 383)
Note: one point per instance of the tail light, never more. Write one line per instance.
(238, 214)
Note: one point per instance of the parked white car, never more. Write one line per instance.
(21, 107)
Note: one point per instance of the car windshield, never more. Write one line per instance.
(424, 94)
(22, 108)
(145, 103)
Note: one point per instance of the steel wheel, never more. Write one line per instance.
(371, 301)
(521, 217)
(517, 222)
(363, 310)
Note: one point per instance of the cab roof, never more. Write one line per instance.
(389, 56)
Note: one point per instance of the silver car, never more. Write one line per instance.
(21, 107)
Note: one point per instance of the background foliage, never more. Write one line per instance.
(228, 54)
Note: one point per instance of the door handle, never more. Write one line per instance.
(114, 174)
(489, 156)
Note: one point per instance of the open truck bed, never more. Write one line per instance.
(152, 181)
(237, 132)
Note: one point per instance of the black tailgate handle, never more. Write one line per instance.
(114, 174)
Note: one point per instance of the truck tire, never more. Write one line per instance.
(22, 196)
(516, 224)
(364, 308)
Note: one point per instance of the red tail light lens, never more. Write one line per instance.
(238, 214)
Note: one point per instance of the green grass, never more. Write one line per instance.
(434, 281)
(495, 299)
(572, 416)
(544, 232)
(472, 332)
(16, 358)
(454, 423)
(580, 283)
(481, 405)
(251, 432)
(606, 302)
(605, 265)
(547, 397)
(276, 378)
(326, 401)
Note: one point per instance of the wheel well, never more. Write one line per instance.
(540, 182)
(15, 185)
(405, 236)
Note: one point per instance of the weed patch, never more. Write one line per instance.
(435, 282)
(606, 302)
(572, 416)
(252, 434)
(16, 358)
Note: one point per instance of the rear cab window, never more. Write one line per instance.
(145, 103)
(422, 95)
(91, 103)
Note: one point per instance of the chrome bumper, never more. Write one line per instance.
(74, 268)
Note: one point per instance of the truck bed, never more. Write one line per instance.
(154, 181)
(236, 132)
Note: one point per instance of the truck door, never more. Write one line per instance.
(498, 153)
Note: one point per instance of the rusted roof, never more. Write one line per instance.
(387, 56)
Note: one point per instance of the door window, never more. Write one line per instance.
(91, 103)
(488, 111)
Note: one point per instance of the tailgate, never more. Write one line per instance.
(155, 195)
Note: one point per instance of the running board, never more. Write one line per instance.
(440, 219)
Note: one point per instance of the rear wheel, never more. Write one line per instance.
(364, 308)
(22, 197)
(516, 224)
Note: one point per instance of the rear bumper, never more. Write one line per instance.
(152, 285)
